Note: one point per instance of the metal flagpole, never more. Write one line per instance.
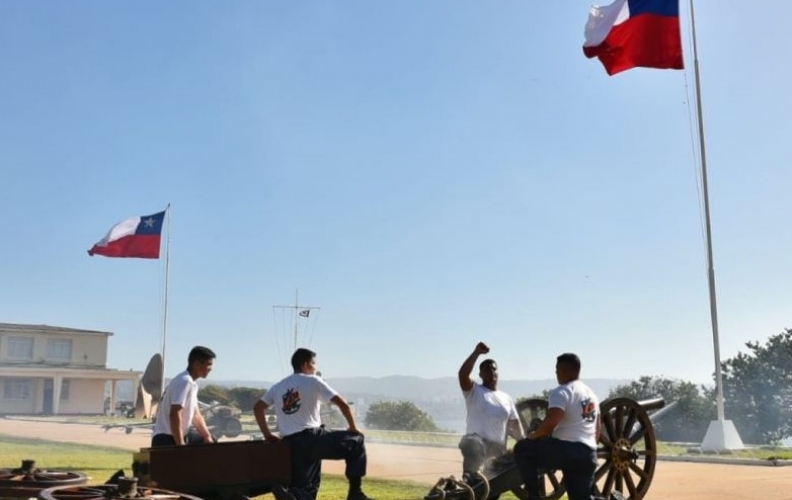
(165, 303)
(298, 311)
(716, 433)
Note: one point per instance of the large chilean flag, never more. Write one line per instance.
(132, 237)
(632, 33)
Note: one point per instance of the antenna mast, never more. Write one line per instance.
(298, 312)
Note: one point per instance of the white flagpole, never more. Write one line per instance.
(721, 434)
(165, 303)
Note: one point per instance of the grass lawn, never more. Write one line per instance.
(97, 462)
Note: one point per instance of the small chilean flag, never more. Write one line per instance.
(133, 237)
(635, 33)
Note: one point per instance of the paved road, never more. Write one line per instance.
(672, 480)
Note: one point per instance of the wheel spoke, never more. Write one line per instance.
(638, 435)
(608, 423)
(605, 467)
(631, 418)
(630, 485)
(554, 481)
(608, 486)
(641, 473)
(619, 421)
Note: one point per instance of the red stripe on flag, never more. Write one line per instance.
(646, 40)
(143, 246)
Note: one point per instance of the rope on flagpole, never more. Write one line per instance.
(165, 302)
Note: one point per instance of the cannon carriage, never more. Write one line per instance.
(219, 471)
(626, 454)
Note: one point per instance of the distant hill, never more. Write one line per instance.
(416, 389)
(423, 389)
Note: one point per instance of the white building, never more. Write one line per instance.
(52, 370)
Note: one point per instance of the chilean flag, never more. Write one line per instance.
(132, 237)
(635, 33)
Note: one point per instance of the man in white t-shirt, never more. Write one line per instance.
(296, 401)
(566, 440)
(491, 414)
(178, 419)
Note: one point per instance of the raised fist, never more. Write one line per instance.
(482, 348)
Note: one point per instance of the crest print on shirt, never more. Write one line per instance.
(291, 402)
(589, 410)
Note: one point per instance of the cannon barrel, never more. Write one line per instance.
(651, 404)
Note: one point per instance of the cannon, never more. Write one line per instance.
(626, 454)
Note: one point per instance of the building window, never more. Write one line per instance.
(20, 347)
(65, 386)
(60, 349)
(16, 388)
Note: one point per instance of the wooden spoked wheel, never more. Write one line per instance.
(532, 412)
(28, 481)
(126, 490)
(628, 450)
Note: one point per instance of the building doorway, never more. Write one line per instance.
(48, 390)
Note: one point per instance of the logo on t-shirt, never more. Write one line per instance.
(589, 410)
(291, 402)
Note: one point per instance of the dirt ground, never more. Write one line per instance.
(672, 480)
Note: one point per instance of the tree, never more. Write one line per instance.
(332, 417)
(544, 395)
(757, 390)
(245, 397)
(210, 393)
(399, 416)
(690, 417)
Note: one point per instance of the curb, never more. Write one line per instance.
(725, 460)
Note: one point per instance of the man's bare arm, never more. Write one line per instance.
(174, 417)
(200, 425)
(261, 419)
(553, 418)
(516, 429)
(346, 411)
(465, 381)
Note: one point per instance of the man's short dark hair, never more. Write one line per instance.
(485, 363)
(200, 353)
(570, 360)
(300, 357)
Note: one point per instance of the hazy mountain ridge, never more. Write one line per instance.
(438, 397)
(413, 388)
(441, 398)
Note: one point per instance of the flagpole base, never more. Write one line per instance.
(721, 436)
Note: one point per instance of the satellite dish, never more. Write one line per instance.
(150, 388)
(152, 377)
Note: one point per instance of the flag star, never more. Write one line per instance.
(149, 222)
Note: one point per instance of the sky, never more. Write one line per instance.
(428, 174)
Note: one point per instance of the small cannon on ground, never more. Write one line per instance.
(626, 455)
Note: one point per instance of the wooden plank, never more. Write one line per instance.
(205, 467)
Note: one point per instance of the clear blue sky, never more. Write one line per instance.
(430, 173)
